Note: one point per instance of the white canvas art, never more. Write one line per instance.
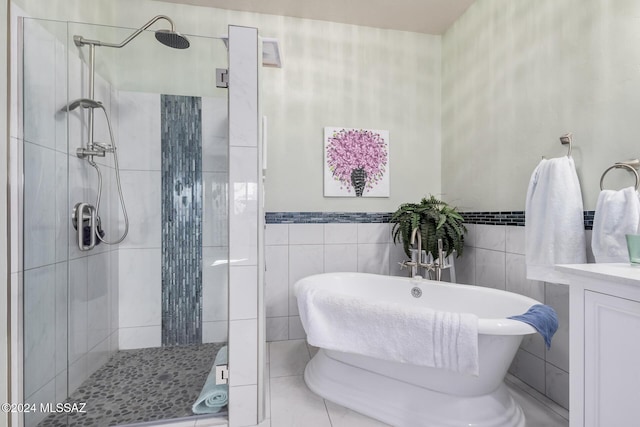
(356, 162)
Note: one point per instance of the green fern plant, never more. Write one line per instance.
(436, 220)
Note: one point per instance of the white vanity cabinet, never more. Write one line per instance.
(605, 344)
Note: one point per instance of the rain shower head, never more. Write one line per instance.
(172, 39)
(169, 37)
(82, 102)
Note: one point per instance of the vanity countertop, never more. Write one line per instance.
(623, 273)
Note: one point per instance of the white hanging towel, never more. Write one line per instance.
(617, 214)
(554, 223)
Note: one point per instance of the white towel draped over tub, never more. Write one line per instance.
(415, 335)
(617, 214)
(554, 222)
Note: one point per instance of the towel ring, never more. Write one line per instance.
(631, 165)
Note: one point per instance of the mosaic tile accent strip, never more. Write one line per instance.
(181, 119)
(512, 218)
(135, 386)
(326, 217)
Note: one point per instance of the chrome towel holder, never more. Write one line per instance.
(631, 165)
(565, 139)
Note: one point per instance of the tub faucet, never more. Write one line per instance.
(418, 262)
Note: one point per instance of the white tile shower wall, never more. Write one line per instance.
(139, 142)
(294, 251)
(494, 257)
(79, 284)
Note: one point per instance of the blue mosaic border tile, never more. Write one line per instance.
(181, 120)
(513, 218)
(510, 218)
(326, 217)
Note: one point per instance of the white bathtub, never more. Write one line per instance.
(406, 395)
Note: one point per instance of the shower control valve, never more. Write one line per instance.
(85, 152)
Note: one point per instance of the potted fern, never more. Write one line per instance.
(436, 220)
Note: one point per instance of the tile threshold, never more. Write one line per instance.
(512, 381)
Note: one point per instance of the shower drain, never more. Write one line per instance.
(416, 292)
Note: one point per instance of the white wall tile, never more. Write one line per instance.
(396, 257)
(277, 328)
(98, 356)
(243, 184)
(340, 233)
(140, 287)
(296, 330)
(530, 369)
(39, 327)
(490, 268)
(338, 258)
(466, 266)
(490, 237)
(215, 131)
(557, 296)
(374, 233)
(214, 209)
(470, 235)
(139, 136)
(78, 315)
(276, 291)
(515, 242)
(77, 373)
(516, 280)
(373, 258)
(557, 385)
(114, 313)
(276, 234)
(40, 103)
(244, 79)
(39, 202)
(46, 394)
(534, 344)
(588, 234)
(62, 313)
(243, 292)
(215, 331)
(140, 337)
(243, 348)
(306, 234)
(304, 260)
(243, 407)
(98, 299)
(214, 284)
(142, 195)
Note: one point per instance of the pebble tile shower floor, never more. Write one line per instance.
(141, 385)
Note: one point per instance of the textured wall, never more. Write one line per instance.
(517, 74)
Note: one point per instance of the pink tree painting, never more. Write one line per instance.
(356, 162)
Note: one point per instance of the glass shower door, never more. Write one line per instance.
(121, 327)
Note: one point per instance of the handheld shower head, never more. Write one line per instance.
(82, 102)
(172, 39)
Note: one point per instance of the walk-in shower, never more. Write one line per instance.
(132, 328)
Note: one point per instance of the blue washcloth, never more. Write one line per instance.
(213, 397)
(543, 318)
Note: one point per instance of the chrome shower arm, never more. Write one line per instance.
(81, 41)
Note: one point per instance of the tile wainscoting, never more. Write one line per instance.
(301, 245)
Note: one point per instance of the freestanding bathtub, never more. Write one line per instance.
(406, 395)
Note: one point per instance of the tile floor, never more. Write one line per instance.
(290, 403)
